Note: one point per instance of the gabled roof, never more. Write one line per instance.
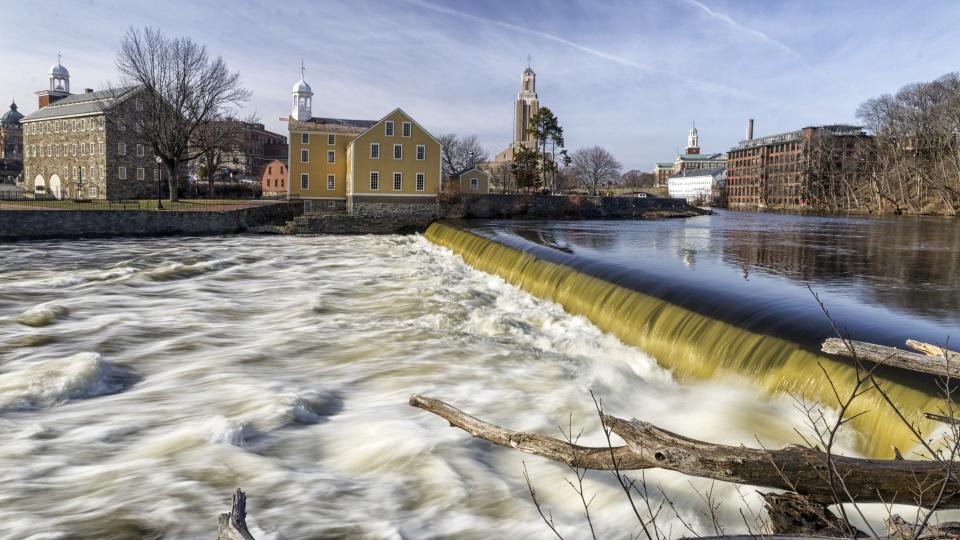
(701, 157)
(470, 168)
(80, 104)
(398, 109)
(363, 124)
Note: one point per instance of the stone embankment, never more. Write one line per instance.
(38, 224)
(383, 218)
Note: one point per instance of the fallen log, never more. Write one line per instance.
(941, 366)
(798, 469)
(930, 349)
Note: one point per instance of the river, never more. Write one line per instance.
(145, 379)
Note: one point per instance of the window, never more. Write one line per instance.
(331, 182)
(374, 181)
(406, 129)
(139, 150)
(331, 156)
(388, 128)
(83, 149)
(331, 139)
(74, 148)
(269, 170)
(122, 173)
(421, 152)
(139, 104)
(120, 125)
(304, 181)
(156, 175)
(474, 184)
(83, 124)
(101, 173)
(304, 138)
(374, 150)
(101, 148)
(397, 181)
(121, 149)
(304, 156)
(57, 148)
(73, 125)
(420, 181)
(140, 173)
(398, 151)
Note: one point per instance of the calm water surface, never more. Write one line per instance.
(141, 381)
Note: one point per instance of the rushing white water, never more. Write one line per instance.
(144, 380)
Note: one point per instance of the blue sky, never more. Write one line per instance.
(630, 75)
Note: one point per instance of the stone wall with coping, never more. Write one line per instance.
(37, 224)
(523, 206)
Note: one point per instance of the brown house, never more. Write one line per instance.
(275, 178)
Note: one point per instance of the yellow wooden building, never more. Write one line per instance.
(339, 164)
(471, 180)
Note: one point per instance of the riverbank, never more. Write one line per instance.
(32, 224)
(288, 217)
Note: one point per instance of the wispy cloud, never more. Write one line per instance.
(589, 50)
(741, 28)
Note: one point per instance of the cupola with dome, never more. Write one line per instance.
(302, 99)
(59, 78)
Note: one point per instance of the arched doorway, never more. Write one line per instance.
(39, 185)
(54, 186)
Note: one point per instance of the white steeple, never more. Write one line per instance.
(692, 141)
(59, 78)
(302, 98)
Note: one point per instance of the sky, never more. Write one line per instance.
(630, 76)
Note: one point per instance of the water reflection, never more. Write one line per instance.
(885, 279)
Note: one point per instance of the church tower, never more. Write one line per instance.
(526, 106)
(59, 85)
(302, 99)
(693, 143)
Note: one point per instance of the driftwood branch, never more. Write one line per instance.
(942, 365)
(233, 524)
(930, 349)
(803, 470)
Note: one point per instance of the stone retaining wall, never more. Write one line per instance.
(33, 224)
(521, 206)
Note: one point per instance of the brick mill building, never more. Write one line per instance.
(87, 145)
(779, 171)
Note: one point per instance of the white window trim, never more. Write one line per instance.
(304, 138)
(304, 152)
(389, 128)
(331, 156)
(394, 180)
(139, 150)
(304, 181)
(331, 182)
(422, 147)
(121, 149)
(141, 174)
(372, 173)
(421, 184)
(122, 173)
(400, 146)
(372, 146)
(474, 184)
(331, 138)
(408, 127)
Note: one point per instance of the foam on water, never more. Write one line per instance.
(288, 376)
(52, 382)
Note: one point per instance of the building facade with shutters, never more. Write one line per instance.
(87, 145)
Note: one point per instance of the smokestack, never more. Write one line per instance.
(750, 129)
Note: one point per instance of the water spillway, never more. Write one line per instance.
(694, 345)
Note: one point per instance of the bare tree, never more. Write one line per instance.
(594, 168)
(460, 152)
(215, 142)
(635, 178)
(184, 89)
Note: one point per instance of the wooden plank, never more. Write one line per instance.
(891, 356)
